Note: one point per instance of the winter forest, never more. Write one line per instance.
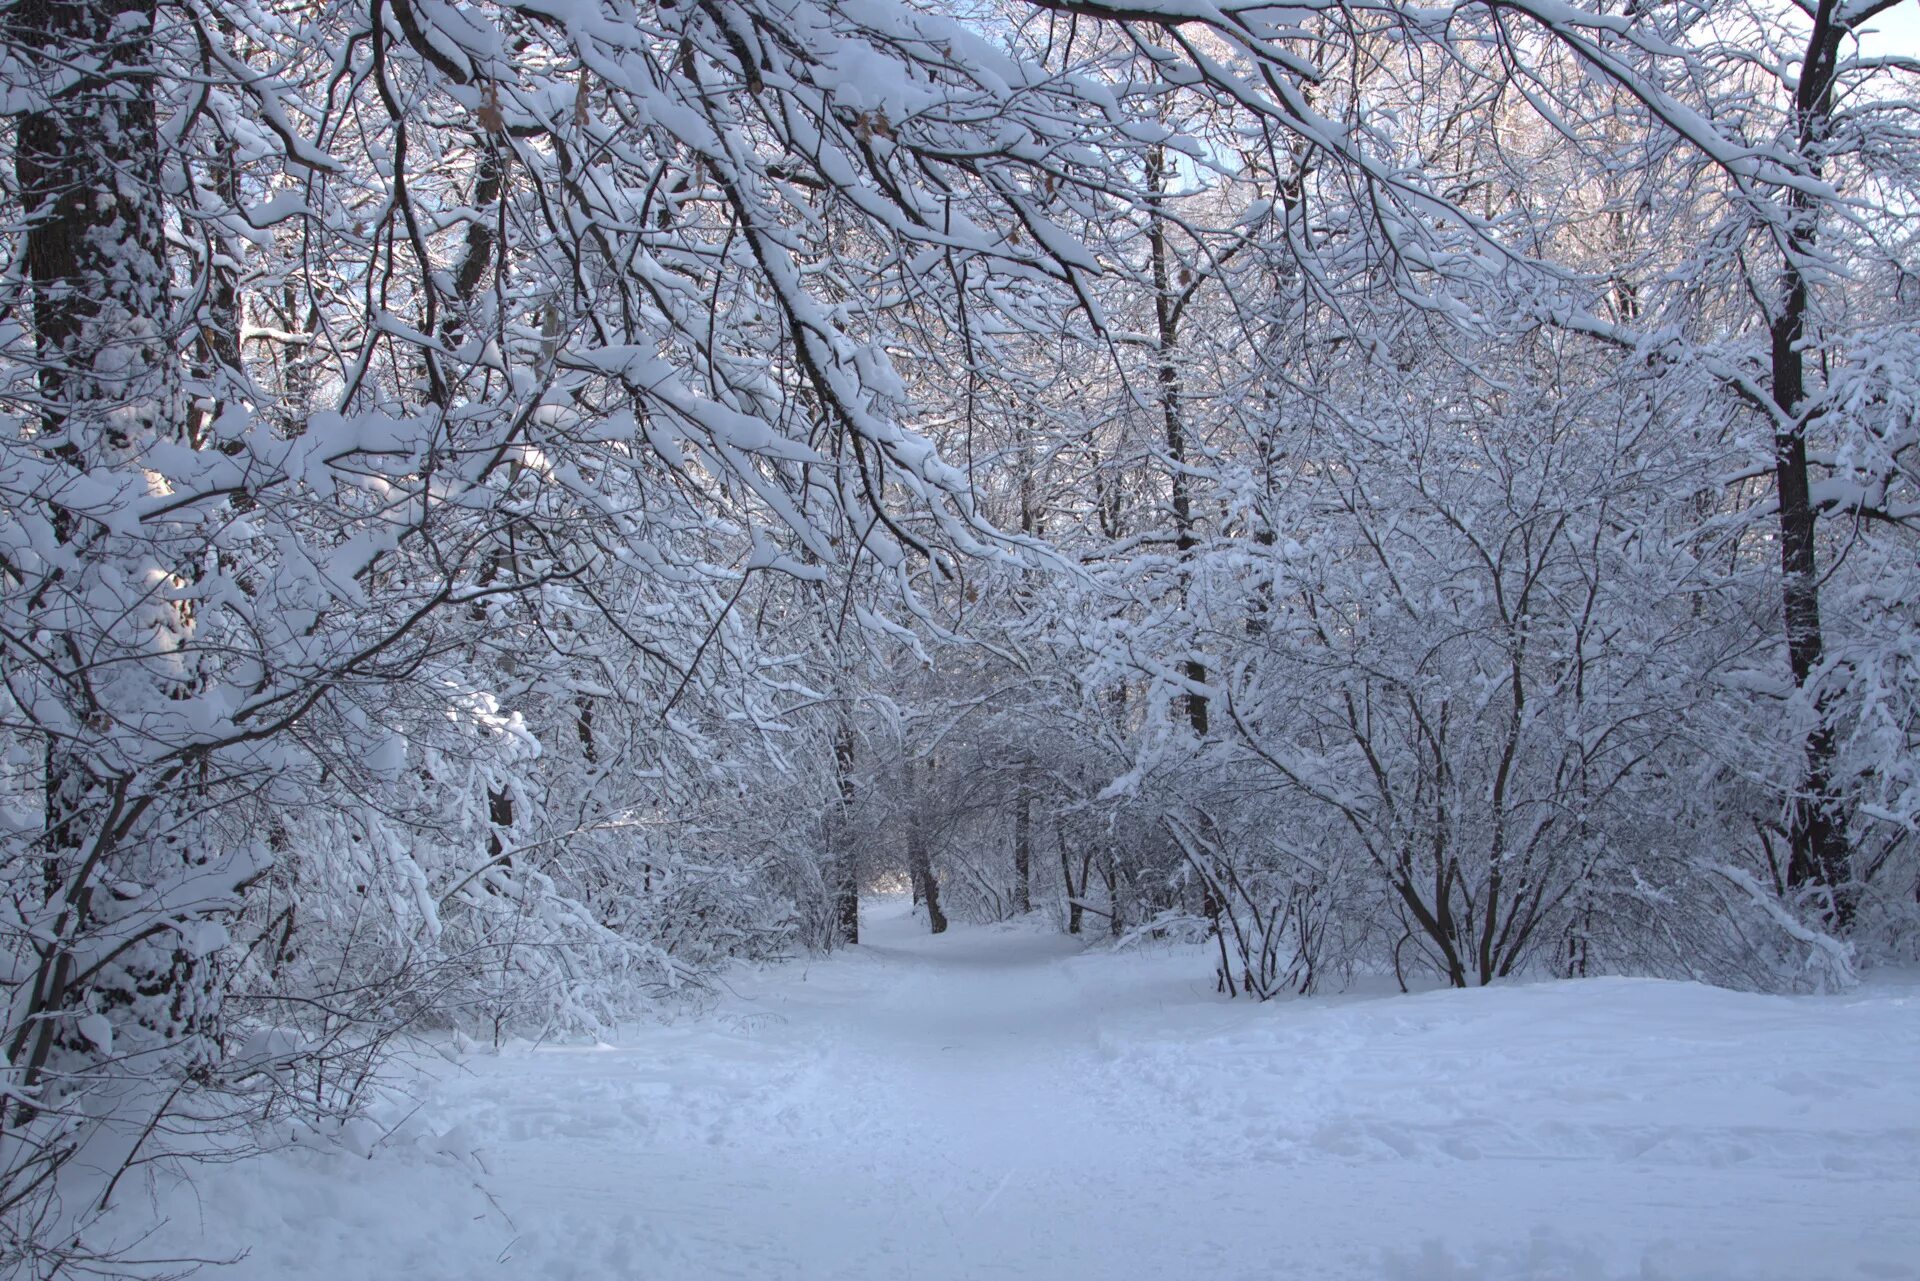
(523, 519)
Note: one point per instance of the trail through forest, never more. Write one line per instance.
(996, 1103)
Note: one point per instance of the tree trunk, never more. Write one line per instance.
(1023, 845)
(221, 320)
(87, 163)
(1167, 338)
(1816, 829)
(846, 870)
(499, 821)
(919, 861)
(1074, 911)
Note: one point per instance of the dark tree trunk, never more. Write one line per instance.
(220, 322)
(846, 870)
(89, 175)
(583, 729)
(1074, 911)
(919, 860)
(87, 165)
(1816, 828)
(499, 820)
(1030, 523)
(1023, 847)
(1167, 339)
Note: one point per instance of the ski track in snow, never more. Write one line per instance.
(991, 1103)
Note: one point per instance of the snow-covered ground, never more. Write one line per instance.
(994, 1103)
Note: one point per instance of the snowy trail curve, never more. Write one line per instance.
(994, 1104)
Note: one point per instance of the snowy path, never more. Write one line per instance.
(992, 1104)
